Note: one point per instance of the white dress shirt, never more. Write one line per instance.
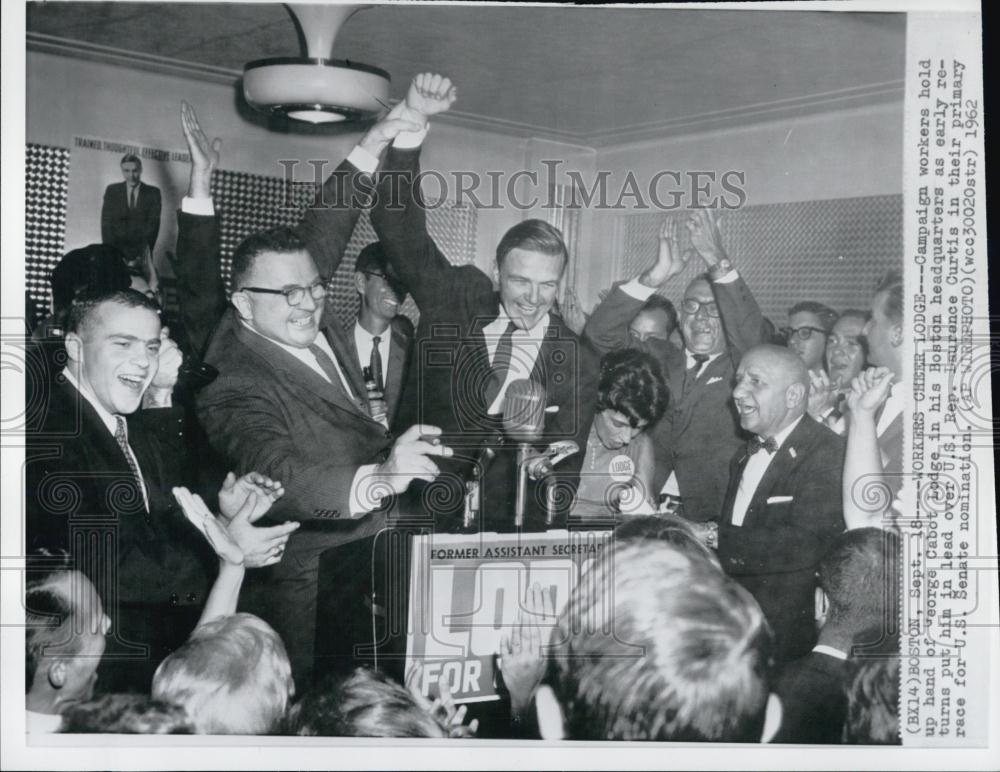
(893, 407)
(364, 341)
(525, 348)
(754, 471)
(111, 422)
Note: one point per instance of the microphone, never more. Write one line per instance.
(473, 481)
(543, 465)
(523, 422)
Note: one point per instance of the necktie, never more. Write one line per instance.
(691, 374)
(327, 366)
(501, 364)
(755, 443)
(121, 437)
(131, 199)
(376, 363)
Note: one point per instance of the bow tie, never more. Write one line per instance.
(755, 443)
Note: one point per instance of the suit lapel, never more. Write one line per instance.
(398, 346)
(686, 402)
(785, 459)
(347, 353)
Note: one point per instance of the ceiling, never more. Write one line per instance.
(588, 75)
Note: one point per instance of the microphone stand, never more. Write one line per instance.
(539, 466)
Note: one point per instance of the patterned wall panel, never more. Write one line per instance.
(249, 202)
(833, 251)
(46, 184)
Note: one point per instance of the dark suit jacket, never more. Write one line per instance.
(400, 348)
(81, 497)
(128, 229)
(813, 696)
(700, 431)
(776, 552)
(445, 386)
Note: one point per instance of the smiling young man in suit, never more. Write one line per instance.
(782, 509)
(130, 214)
(720, 319)
(474, 339)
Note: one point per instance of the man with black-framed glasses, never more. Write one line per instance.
(720, 319)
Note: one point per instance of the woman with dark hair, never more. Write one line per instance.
(617, 472)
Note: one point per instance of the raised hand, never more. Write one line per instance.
(234, 493)
(669, 260)
(260, 546)
(443, 709)
(396, 121)
(573, 313)
(430, 94)
(822, 394)
(169, 362)
(705, 236)
(869, 391)
(205, 154)
(410, 459)
(521, 657)
(214, 531)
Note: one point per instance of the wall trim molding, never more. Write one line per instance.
(842, 99)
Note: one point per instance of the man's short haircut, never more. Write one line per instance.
(93, 268)
(687, 660)
(49, 612)
(860, 576)
(82, 312)
(281, 240)
(533, 236)
(364, 703)
(873, 702)
(632, 383)
(126, 714)
(892, 285)
(854, 313)
(659, 303)
(826, 315)
(130, 158)
(675, 531)
(232, 676)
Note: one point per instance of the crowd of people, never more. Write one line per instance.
(191, 468)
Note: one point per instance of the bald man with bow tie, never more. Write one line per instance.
(783, 506)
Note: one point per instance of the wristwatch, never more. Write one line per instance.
(712, 536)
(720, 269)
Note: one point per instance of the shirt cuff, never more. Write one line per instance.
(366, 492)
(199, 206)
(728, 277)
(637, 289)
(407, 140)
(363, 160)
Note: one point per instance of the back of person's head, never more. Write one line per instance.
(632, 384)
(674, 530)
(232, 676)
(126, 714)
(873, 702)
(533, 236)
(365, 703)
(890, 288)
(86, 305)
(685, 658)
(65, 628)
(280, 240)
(97, 268)
(656, 302)
(860, 578)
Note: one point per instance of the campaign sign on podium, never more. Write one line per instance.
(466, 591)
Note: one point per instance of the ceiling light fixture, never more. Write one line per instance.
(316, 88)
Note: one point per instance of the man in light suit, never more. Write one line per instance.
(287, 399)
(782, 508)
(130, 214)
(720, 319)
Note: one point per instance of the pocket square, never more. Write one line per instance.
(780, 499)
(716, 379)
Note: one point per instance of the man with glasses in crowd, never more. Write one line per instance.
(720, 320)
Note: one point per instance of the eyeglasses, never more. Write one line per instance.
(802, 333)
(295, 295)
(691, 307)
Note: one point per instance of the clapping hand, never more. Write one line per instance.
(215, 532)
(669, 260)
(205, 154)
(822, 394)
(521, 658)
(442, 709)
(169, 362)
(234, 492)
